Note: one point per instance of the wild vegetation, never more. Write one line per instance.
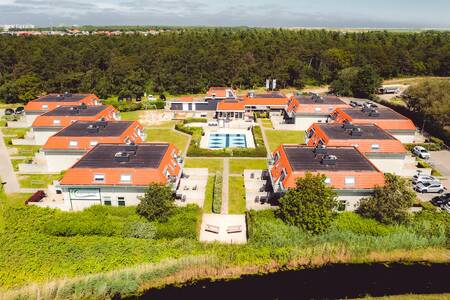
(190, 60)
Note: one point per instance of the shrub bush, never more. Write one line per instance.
(428, 146)
(182, 223)
(157, 203)
(142, 230)
(217, 194)
(195, 120)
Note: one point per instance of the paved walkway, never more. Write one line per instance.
(6, 169)
(263, 131)
(225, 175)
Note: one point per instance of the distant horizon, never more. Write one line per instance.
(358, 14)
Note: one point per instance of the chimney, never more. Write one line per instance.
(374, 113)
(347, 125)
(356, 131)
(122, 157)
(93, 129)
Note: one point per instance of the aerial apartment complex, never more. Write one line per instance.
(347, 170)
(46, 103)
(117, 174)
(53, 121)
(68, 145)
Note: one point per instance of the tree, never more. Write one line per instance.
(24, 89)
(309, 205)
(157, 203)
(389, 204)
(356, 82)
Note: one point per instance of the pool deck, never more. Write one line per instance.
(208, 130)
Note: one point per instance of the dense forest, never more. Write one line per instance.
(190, 60)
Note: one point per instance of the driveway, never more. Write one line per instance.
(6, 169)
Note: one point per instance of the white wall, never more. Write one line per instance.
(304, 122)
(106, 193)
(405, 138)
(30, 118)
(61, 162)
(389, 165)
(41, 137)
(352, 202)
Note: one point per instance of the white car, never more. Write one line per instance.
(429, 188)
(421, 152)
(424, 179)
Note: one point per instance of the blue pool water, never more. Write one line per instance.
(226, 140)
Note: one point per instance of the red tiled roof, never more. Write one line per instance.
(265, 101)
(219, 91)
(231, 105)
(296, 106)
(37, 104)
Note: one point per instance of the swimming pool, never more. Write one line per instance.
(227, 140)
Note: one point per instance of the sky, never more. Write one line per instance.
(258, 13)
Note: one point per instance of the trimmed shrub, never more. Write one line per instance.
(217, 194)
(139, 230)
(195, 120)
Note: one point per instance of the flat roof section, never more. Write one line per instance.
(107, 128)
(303, 158)
(103, 156)
(368, 132)
(383, 113)
(268, 95)
(61, 98)
(85, 111)
(326, 100)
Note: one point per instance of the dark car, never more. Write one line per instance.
(9, 111)
(441, 200)
(19, 110)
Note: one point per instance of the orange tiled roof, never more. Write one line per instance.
(47, 121)
(58, 142)
(231, 105)
(219, 91)
(140, 176)
(265, 101)
(37, 104)
(297, 107)
(386, 145)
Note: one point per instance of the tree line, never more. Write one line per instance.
(190, 60)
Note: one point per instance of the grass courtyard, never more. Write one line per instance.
(237, 166)
(236, 195)
(37, 180)
(169, 136)
(277, 137)
(213, 165)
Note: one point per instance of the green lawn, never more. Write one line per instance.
(237, 166)
(16, 162)
(207, 205)
(131, 115)
(16, 199)
(17, 132)
(236, 195)
(37, 180)
(267, 123)
(278, 137)
(25, 150)
(213, 165)
(167, 135)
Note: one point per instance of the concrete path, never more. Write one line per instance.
(6, 169)
(225, 175)
(263, 131)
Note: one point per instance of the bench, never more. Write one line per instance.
(234, 229)
(212, 228)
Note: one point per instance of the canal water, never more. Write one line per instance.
(330, 282)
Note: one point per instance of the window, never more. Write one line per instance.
(93, 143)
(330, 108)
(99, 178)
(375, 147)
(56, 121)
(283, 175)
(107, 202)
(328, 180)
(121, 201)
(349, 180)
(45, 106)
(125, 178)
(73, 143)
(318, 109)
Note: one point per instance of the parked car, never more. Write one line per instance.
(421, 152)
(424, 178)
(9, 111)
(441, 200)
(429, 188)
(446, 207)
(19, 110)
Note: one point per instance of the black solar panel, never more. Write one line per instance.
(62, 98)
(348, 159)
(112, 128)
(330, 100)
(368, 131)
(383, 113)
(103, 156)
(78, 111)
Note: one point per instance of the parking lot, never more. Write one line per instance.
(440, 160)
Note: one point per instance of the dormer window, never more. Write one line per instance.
(375, 146)
(328, 180)
(349, 180)
(44, 106)
(125, 178)
(318, 109)
(99, 178)
(56, 122)
(73, 143)
(93, 143)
